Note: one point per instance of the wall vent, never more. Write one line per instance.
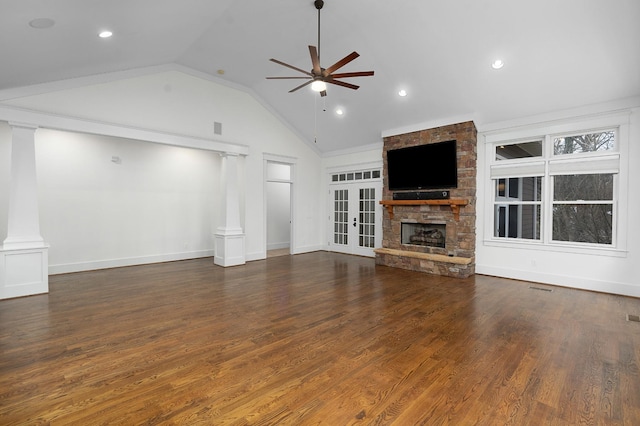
(217, 128)
(634, 318)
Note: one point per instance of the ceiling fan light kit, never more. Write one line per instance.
(318, 86)
(318, 77)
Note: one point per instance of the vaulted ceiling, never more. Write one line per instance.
(557, 54)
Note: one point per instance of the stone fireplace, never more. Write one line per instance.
(433, 236)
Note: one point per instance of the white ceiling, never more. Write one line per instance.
(558, 54)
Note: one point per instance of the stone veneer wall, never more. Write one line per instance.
(461, 234)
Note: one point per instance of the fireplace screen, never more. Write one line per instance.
(423, 234)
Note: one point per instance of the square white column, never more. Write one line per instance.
(229, 237)
(23, 255)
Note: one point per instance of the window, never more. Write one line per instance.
(359, 175)
(558, 189)
(583, 208)
(592, 142)
(519, 150)
(518, 207)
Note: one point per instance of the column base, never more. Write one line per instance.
(229, 249)
(24, 272)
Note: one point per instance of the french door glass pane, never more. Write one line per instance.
(366, 213)
(341, 210)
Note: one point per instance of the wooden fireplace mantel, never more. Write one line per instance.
(454, 204)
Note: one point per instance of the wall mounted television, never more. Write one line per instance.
(429, 166)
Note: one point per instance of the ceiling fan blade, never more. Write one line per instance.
(291, 66)
(343, 84)
(301, 86)
(283, 78)
(315, 60)
(341, 63)
(352, 74)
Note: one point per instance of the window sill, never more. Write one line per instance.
(555, 247)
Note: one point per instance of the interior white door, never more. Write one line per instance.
(356, 218)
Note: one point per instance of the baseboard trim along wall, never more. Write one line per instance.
(561, 280)
(130, 261)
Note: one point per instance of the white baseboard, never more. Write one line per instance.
(561, 280)
(277, 246)
(307, 249)
(129, 261)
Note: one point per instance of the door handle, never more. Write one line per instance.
(354, 222)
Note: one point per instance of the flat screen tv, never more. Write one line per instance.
(430, 166)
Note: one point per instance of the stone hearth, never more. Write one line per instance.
(457, 257)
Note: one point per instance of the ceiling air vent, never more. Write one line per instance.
(217, 128)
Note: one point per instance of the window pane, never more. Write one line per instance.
(519, 150)
(531, 188)
(585, 223)
(591, 142)
(519, 189)
(530, 222)
(514, 188)
(518, 221)
(513, 222)
(501, 186)
(583, 187)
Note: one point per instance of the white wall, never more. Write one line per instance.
(171, 103)
(150, 203)
(613, 271)
(5, 177)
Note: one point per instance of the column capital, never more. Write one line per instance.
(229, 154)
(21, 125)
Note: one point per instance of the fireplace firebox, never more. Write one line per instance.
(423, 234)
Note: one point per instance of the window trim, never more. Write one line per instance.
(617, 121)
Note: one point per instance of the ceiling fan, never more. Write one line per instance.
(318, 76)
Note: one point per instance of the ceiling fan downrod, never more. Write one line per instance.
(318, 4)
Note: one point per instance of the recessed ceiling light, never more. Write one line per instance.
(105, 34)
(42, 23)
(220, 71)
(497, 64)
(339, 111)
(402, 93)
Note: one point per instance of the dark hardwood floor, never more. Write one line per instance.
(319, 338)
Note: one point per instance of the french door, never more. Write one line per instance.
(355, 218)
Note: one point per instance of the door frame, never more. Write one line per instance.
(354, 184)
(292, 162)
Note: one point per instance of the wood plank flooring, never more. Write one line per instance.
(318, 338)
